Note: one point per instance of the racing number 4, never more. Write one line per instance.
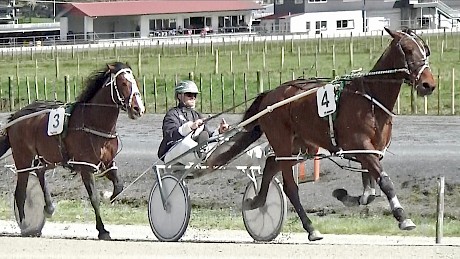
(325, 98)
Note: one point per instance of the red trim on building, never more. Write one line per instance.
(158, 7)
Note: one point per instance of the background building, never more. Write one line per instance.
(155, 18)
(357, 16)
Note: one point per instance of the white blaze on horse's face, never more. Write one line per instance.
(131, 98)
(417, 63)
(135, 96)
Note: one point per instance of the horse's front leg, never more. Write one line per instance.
(270, 169)
(292, 192)
(373, 165)
(20, 193)
(88, 181)
(112, 175)
(49, 207)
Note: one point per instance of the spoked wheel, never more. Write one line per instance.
(169, 221)
(34, 205)
(265, 223)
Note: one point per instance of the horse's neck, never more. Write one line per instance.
(386, 87)
(101, 112)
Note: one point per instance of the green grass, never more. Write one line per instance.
(226, 218)
(158, 75)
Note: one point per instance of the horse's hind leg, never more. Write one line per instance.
(292, 192)
(88, 181)
(270, 169)
(49, 207)
(368, 189)
(372, 163)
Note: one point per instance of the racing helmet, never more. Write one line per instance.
(186, 86)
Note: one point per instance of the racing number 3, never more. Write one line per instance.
(56, 122)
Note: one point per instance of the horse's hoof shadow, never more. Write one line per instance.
(347, 200)
(31, 234)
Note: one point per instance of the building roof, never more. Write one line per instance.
(157, 7)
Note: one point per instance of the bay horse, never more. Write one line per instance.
(363, 122)
(88, 143)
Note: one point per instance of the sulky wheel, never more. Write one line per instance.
(169, 221)
(34, 205)
(265, 223)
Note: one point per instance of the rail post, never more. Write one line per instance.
(10, 93)
(440, 210)
(260, 82)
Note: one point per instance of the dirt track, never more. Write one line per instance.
(77, 241)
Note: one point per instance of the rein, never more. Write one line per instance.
(227, 110)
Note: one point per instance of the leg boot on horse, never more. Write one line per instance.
(373, 165)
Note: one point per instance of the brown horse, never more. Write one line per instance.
(362, 124)
(88, 143)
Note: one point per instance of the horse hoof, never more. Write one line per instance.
(248, 204)
(407, 224)
(104, 236)
(49, 211)
(116, 190)
(315, 235)
(366, 200)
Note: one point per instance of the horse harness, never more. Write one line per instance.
(99, 169)
(340, 84)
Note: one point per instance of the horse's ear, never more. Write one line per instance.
(393, 34)
(110, 68)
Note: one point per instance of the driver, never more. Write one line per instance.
(183, 127)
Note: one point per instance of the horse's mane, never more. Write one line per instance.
(93, 83)
(96, 80)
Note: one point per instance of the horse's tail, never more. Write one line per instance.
(4, 144)
(242, 140)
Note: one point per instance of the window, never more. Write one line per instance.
(320, 26)
(345, 24)
(279, 2)
(307, 26)
(298, 1)
(424, 22)
(317, 1)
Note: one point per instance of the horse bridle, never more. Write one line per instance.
(117, 98)
(416, 72)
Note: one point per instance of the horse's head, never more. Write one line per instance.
(124, 89)
(415, 52)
